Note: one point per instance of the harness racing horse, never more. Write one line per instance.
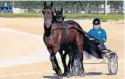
(50, 19)
(65, 48)
(60, 19)
(55, 37)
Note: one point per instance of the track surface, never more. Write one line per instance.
(23, 54)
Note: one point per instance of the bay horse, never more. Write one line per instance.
(60, 19)
(48, 21)
(55, 37)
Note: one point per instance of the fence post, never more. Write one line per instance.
(105, 7)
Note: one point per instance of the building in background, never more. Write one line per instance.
(19, 10)
(75, 7)
(6, 9)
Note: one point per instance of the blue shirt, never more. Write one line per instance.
(99, 34)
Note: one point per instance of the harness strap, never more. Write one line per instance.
(61, 26)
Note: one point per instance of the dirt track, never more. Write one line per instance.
(16, 45)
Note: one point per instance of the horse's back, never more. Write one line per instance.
(73, 23)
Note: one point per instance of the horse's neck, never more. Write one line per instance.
(47, 31)
(54, 19)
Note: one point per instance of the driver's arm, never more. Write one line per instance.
(103, 36)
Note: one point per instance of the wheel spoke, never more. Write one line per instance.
(113, 64)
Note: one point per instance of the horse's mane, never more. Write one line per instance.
(53, 18)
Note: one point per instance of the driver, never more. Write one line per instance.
(98, 33)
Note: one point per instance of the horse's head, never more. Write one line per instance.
(48, 14)
(59, 15)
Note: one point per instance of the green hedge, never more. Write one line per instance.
(25, 15)
(67, 16)
(90, 16)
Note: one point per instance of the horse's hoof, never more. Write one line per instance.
(60, 77)
(68, 75)
(60, 73)
(64, 74)
(82, 74)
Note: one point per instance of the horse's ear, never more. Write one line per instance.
(45, 3)
(63, 17)
(55, 11)
(51, 4)
(62, 10)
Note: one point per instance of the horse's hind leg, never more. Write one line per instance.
(79, 41)
(81, 72)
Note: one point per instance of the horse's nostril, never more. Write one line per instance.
(47, 12)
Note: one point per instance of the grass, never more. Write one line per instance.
(67, 16)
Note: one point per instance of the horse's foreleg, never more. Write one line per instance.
(55, 65)
(54, 62)
(63, 57)
(67, 67)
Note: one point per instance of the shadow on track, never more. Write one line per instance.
(93, 73)
(54, 76)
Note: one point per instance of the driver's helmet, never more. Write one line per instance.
(96, 21)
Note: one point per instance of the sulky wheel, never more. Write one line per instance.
(112, 63)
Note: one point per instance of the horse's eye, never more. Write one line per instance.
(43, 11)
